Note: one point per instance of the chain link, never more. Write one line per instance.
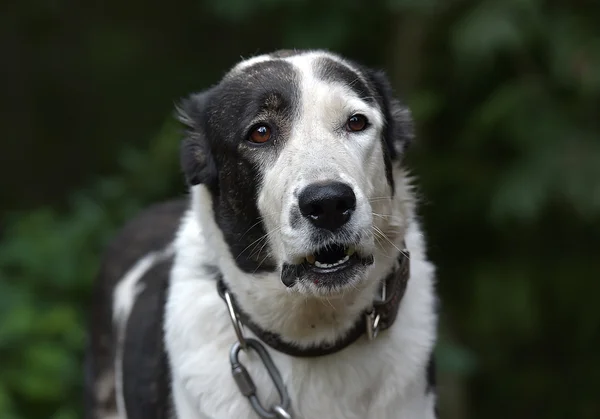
(248, 388)
(242, 377)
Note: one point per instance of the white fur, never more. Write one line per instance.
(380, 379)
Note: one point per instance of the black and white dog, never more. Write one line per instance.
(298, 246)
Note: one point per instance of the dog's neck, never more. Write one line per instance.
(298, 318)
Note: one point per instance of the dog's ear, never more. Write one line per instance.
(196, 157)
(399, 130)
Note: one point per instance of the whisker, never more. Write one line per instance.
(264, 236)
(259, 250)
(261, 262)
(387, 238)
(328, 301)
(385, 216)
(264, 244)
(259, 219)
(252, 226)
(247, 247)
(374, 198)
(377, 238)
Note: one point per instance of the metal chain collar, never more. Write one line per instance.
(380, 317)
(242, 376)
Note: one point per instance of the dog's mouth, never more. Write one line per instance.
(331, 257)
(331, 264)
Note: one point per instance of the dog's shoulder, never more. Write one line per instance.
(126, 346)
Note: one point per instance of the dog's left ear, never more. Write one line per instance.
(399, 129)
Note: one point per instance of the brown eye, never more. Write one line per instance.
(260, 134)
(356, 123)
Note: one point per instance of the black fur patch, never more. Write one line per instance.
(333, 71)
(266, 93)
(400, 130)
(397, 131)
(196, 158)
(146, 374)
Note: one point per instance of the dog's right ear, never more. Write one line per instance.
(399, 130)
(196, 158)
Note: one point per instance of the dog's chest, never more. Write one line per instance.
(359, 382)
(330, 387)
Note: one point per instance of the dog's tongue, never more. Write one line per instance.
(290, 274)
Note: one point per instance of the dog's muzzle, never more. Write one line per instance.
(335, 260)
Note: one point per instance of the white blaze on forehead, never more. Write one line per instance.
(324, 107)
(331, 100)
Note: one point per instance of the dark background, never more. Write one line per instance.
(506, 96)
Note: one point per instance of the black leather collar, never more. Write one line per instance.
(386, 310)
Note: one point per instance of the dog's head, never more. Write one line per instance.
(300, 152)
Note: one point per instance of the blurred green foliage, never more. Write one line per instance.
(506, 95)
(48, 260)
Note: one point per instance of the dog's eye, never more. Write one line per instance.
(356, 123)
(260, 134)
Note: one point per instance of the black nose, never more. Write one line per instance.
(327, 205)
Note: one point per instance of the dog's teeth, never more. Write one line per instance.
(350, 251)
(329, 265)
(310, 259)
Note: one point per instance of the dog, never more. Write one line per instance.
(292, 281)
